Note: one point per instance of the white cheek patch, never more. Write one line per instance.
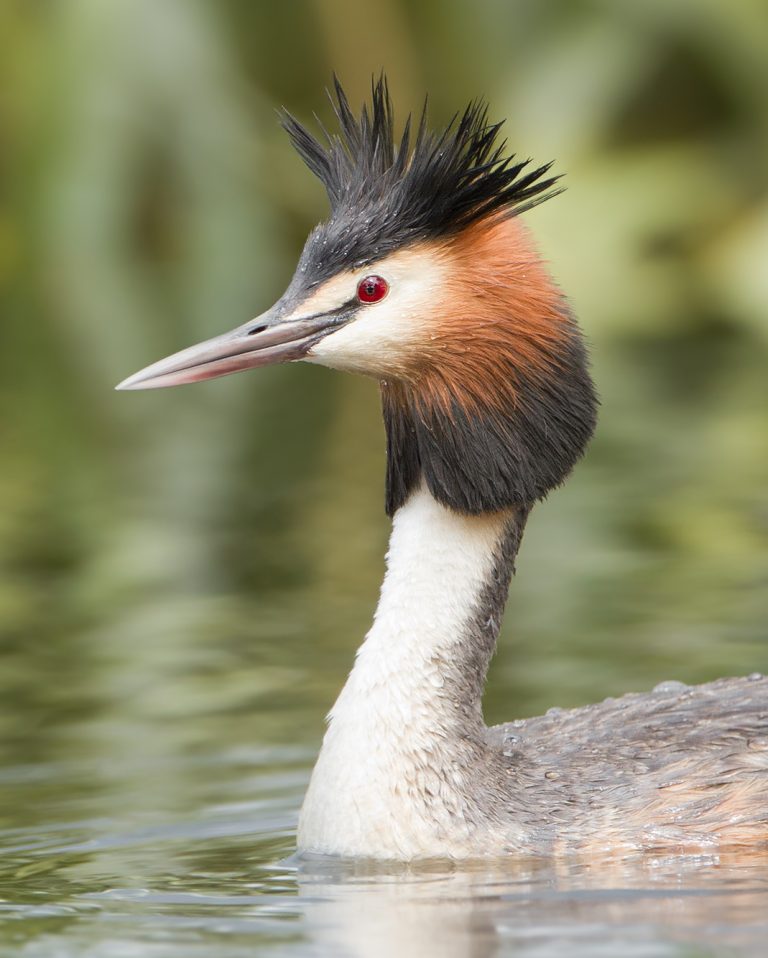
(384, 337)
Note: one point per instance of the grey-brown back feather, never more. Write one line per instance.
(679, 765)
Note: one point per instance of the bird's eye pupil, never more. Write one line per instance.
(371, 289)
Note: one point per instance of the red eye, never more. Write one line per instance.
(372, 289)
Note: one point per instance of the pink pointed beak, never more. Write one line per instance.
(262, 342)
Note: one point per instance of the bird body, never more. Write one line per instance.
(408, 769)
(424, 279)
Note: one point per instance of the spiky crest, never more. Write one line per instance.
(385, 195)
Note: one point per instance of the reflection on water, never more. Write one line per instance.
(647, 906)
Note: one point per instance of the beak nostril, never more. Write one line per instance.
(257, 329)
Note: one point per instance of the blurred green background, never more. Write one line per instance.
(192, 569)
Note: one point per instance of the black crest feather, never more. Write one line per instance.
(385, 195)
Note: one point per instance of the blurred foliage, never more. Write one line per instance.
(195, 566)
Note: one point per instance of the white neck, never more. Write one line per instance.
(406, 732)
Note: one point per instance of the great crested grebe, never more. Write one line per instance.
(425, 279)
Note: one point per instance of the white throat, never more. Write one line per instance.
(406, 732)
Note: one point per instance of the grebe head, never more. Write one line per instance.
(424, 278)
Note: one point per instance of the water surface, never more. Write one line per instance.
(92, 868)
